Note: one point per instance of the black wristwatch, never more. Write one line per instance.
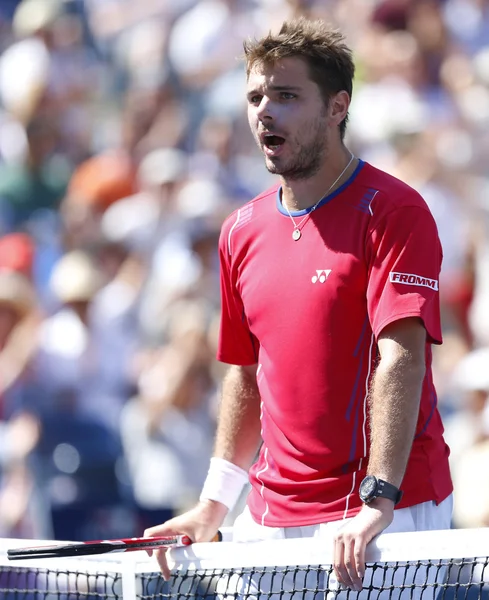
(371, 488)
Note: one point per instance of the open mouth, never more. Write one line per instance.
(272, 141)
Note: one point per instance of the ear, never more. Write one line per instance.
(338, 107)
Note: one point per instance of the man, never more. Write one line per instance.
(329, 309)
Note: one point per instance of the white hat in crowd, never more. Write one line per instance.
(75, 278)
(472, 372)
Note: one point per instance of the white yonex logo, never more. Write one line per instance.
(410, 279)
(321, 275)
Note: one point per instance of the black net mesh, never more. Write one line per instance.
(454, 579)
(53, 584)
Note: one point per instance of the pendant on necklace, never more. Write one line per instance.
(296, 235)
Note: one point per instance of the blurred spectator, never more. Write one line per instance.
(468, 424)
(18, 333)
(472, 487)
(97, 183)
(81, 382)
(141, 220)
(478, 313)
(168, 428)
(38, 182)
(468, 436)
(181, 265)
(69, 362)
(19, 428)
(101, 180)
(205, 41)
(17, 252)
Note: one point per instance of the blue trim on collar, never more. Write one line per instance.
(325, 200)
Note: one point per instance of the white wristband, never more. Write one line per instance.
(224, 482)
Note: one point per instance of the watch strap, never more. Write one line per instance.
(387, 490)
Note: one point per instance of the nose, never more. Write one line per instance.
(264, 109)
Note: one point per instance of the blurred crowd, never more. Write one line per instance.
(123, 146)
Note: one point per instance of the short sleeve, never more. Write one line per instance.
(237, 345)
(405, 255)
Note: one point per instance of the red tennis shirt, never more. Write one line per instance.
(309, 313)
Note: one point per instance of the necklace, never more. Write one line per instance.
(297, 233)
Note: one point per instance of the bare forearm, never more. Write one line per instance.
(238, 431)
(394, 406)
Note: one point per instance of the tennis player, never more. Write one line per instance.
(330, 307)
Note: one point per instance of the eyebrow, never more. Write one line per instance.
(278, 88)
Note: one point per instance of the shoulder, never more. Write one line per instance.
(388, 193)
(248, 214)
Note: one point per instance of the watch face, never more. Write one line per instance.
(368, 487)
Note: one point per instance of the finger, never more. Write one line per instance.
(158, 530)
(155, 532)
(340, 570)
(349, 573)
(360, 548)
(354, 562)
(146, 533)
(163, 563)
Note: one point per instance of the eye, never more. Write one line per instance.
(255, 99)
(287, 96)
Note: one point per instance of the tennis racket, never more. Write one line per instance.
(102, 547)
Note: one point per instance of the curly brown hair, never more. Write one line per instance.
(323, 48)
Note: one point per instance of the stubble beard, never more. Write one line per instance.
(307, 162)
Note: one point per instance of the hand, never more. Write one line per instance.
(200, 523)
(351, 541)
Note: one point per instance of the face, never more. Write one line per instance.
(288, 118)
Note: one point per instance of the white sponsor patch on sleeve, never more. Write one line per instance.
(411, 279)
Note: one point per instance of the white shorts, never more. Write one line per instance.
(421, 517)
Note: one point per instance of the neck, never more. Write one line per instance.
(300, 194)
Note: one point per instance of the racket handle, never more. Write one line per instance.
(185, 540)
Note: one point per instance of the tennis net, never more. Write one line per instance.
(442, 565)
